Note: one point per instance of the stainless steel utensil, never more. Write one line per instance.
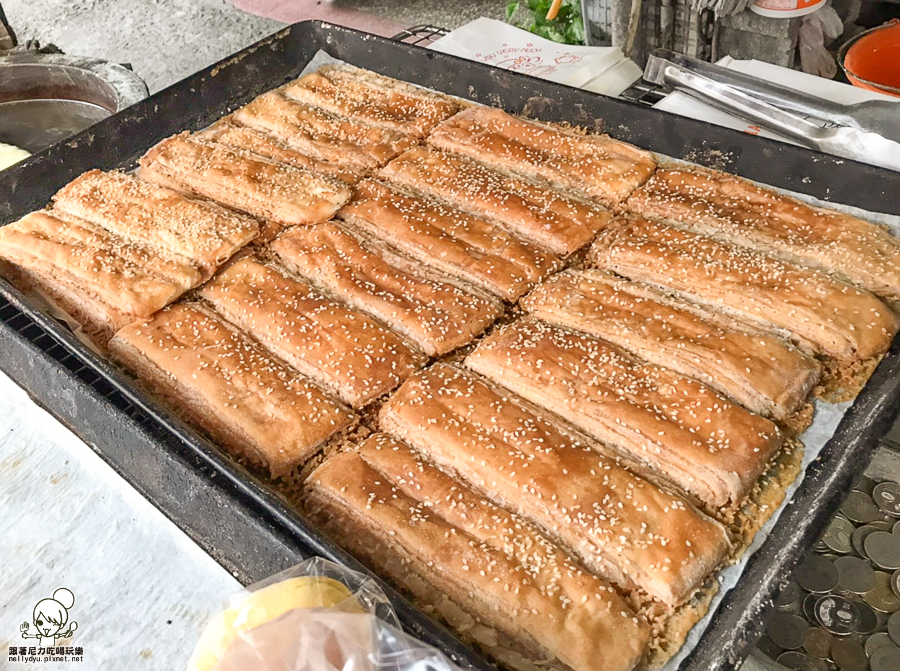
(45, 98)
(877, 116)
(852, 142)
(36, 124)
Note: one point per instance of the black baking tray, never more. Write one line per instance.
(239, 520)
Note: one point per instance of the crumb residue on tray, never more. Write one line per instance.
(554, 387)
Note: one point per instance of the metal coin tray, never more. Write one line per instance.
(842, 609)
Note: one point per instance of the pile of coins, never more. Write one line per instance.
(842, 611)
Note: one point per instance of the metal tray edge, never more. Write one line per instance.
(864, 424)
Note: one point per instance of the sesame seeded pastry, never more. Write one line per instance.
(820, 314)
(346, 352)
(226, 132)
(558, 222)
(321, 135)
(148, 214)
(276, 192)
(735, 210)
(624, 528)
(251, 403)
(380, 101)
(404, 538)
(597, 620)
(472, 248)
(692, 436)
(437, 315)
(98, 321)
(107, 280)
(757, 371)
(594, 166)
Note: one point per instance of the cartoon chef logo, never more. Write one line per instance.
(50, 619)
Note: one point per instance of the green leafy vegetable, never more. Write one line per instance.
(531, 15)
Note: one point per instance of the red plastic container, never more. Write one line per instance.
(872, 59)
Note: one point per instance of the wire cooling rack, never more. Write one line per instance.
(422, 35)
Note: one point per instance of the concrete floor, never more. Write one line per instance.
(448, 15)
(166, 40)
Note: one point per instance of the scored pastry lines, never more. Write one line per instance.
(502, 204)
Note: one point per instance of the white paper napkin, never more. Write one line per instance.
(502, 45)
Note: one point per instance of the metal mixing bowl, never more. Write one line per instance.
(45, 98)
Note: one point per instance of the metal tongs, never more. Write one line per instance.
(867, 132)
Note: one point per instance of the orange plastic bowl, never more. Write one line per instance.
(872, 60)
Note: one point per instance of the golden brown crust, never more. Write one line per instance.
(226, 132)
(98, 321)
(244, 181)
(595, 166)
(320, 135)
(695, 438)
(436, 315)
(821, 314)
(485, 226)
(357, 95)
(757, 371)
(738, 211)
(151, 215)
(253, 404)
(549, 218)
(489, 583)
(427, 587)
(132, 279)
(457, 243)
(345, 351)
(549, 568)
(624, 528)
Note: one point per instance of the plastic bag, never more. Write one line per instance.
(316, 616)
(817, 31)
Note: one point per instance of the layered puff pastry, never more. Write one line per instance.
(622, 527)
(347, 352)
(819, 313)
(144, 213)
(249, 401)
(233, 135)
(277, 193)
(679, 428)
(472, 248)
(367, 97)
(113, 249)
(742, 213)
(756, 370)
(436, 314)
(558, 464)
(454, 550)
(594, 166)
(321, 135)
(556, 221)
(103, 280)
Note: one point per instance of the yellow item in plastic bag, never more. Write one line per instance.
(260, 607)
